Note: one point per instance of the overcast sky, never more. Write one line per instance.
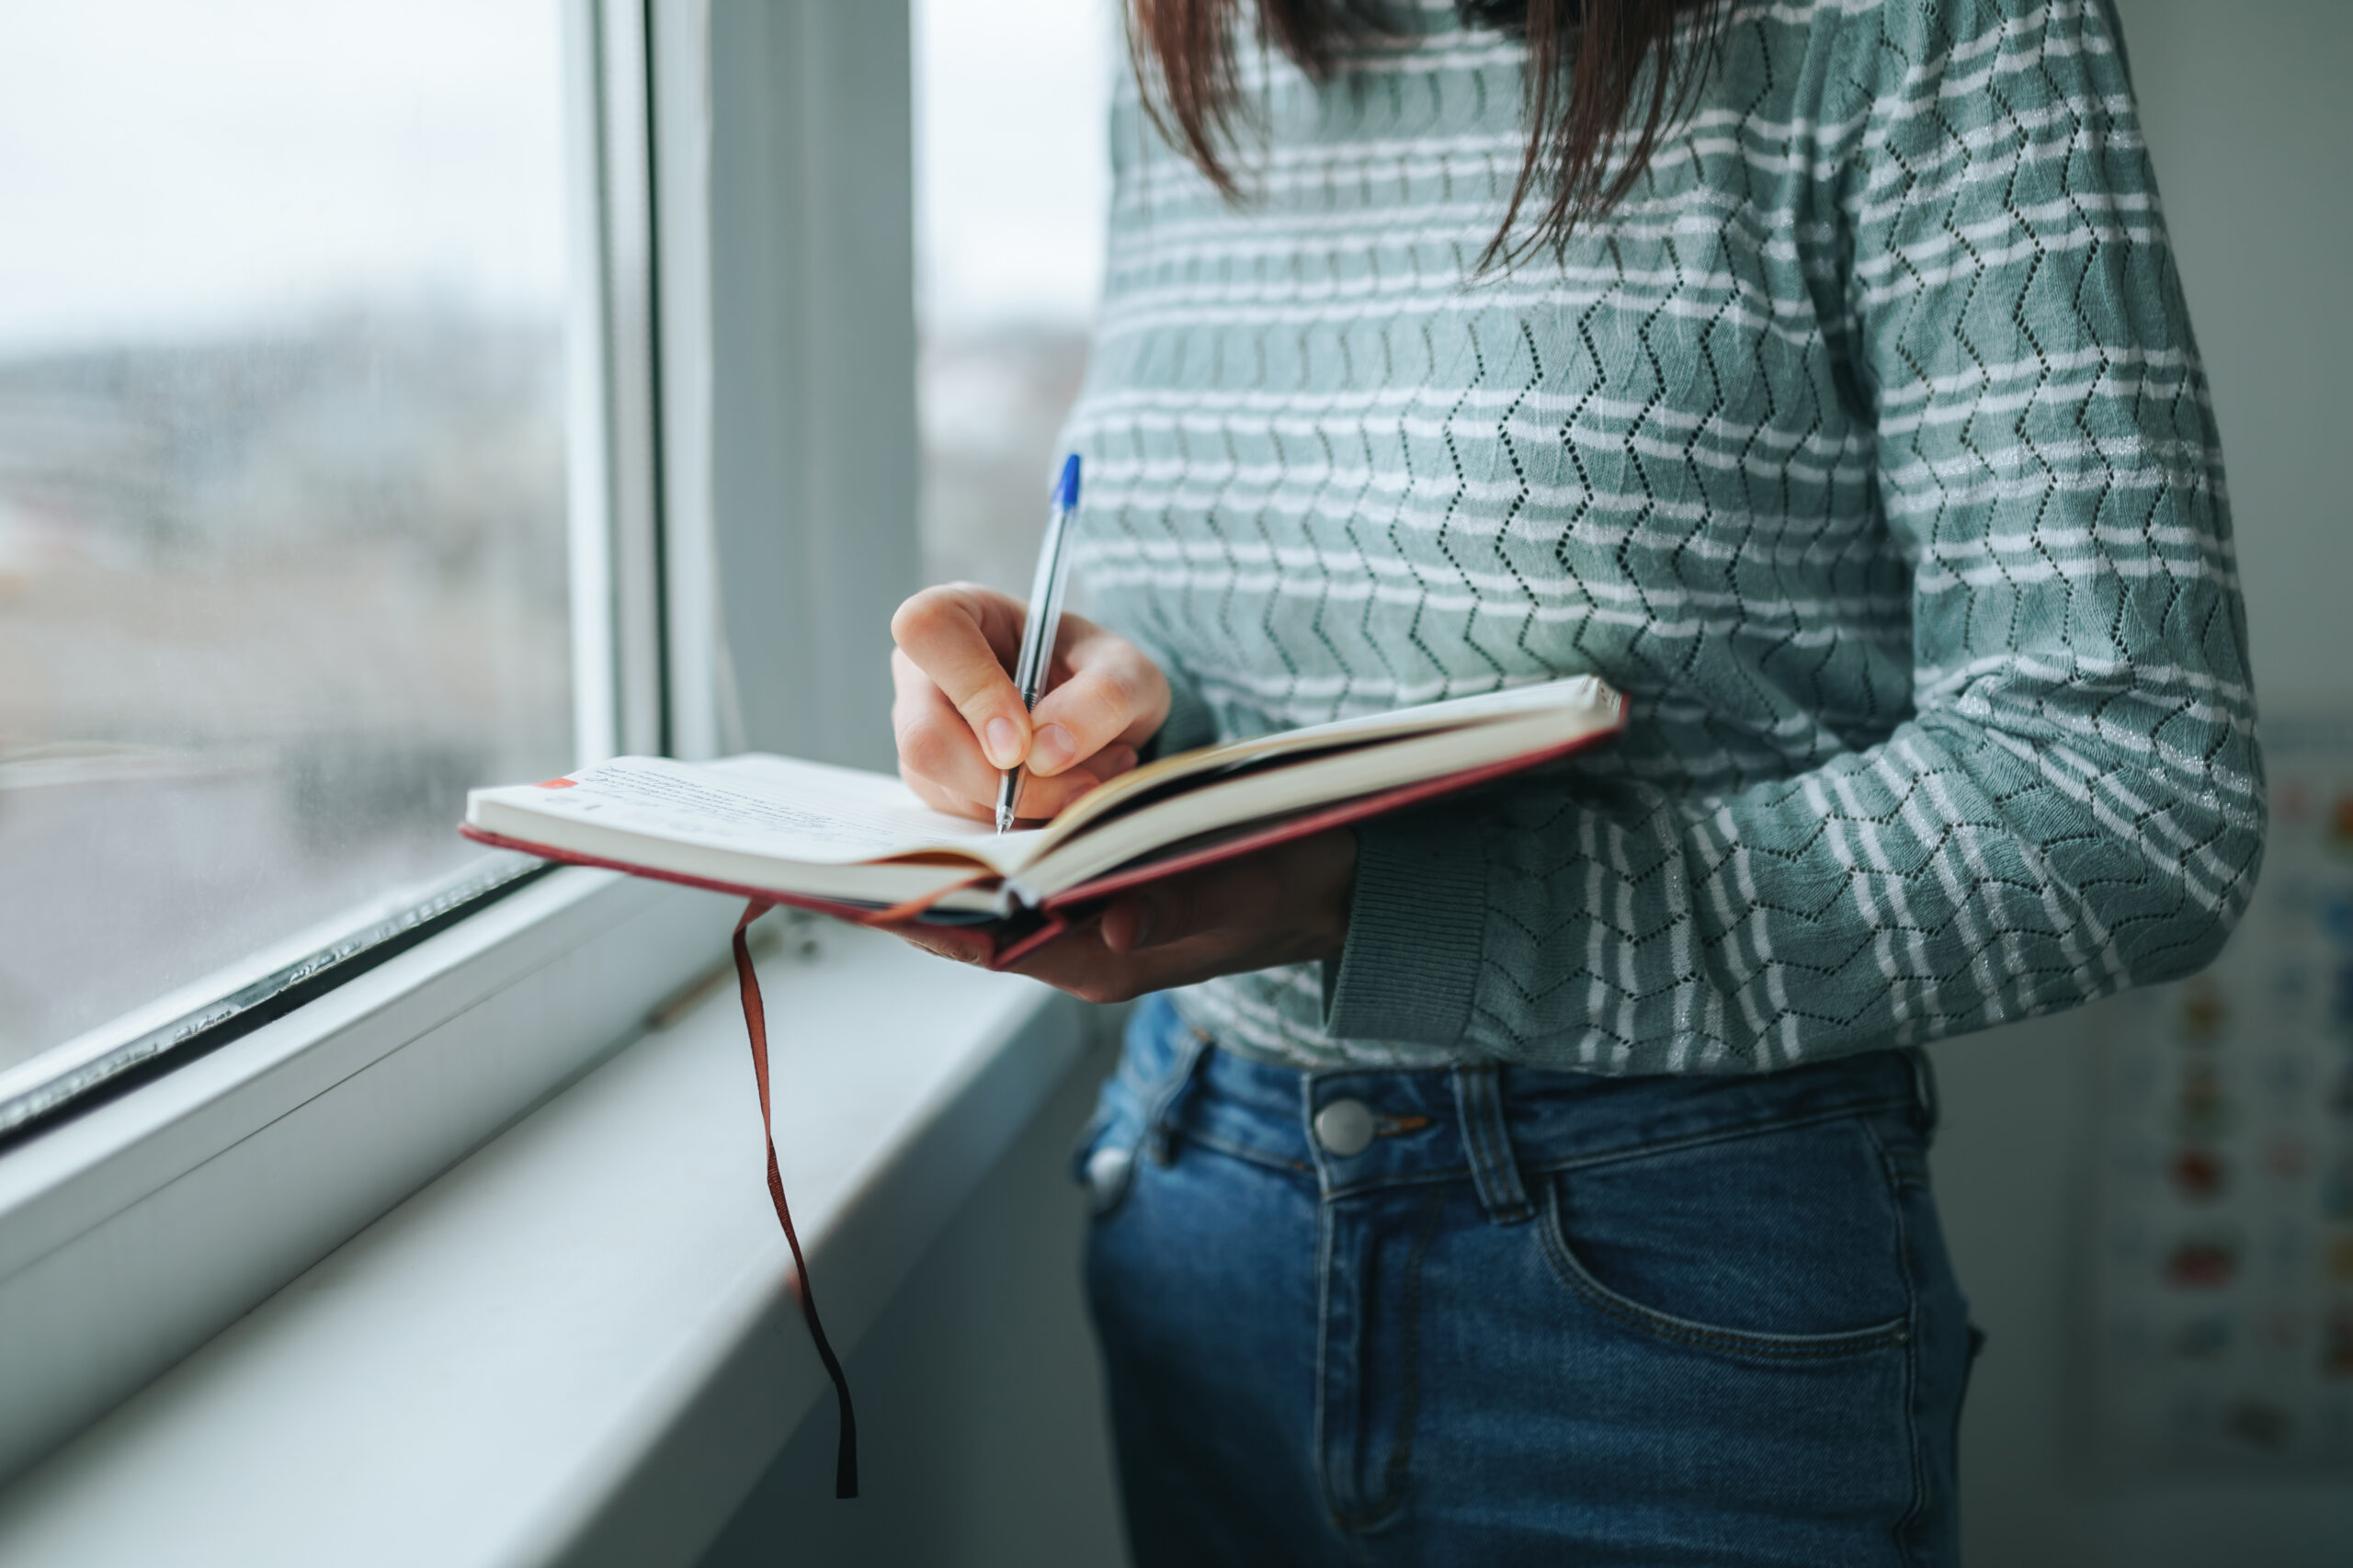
(178, 167)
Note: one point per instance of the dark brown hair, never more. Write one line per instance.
(1590, 64)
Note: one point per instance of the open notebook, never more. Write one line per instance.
(855, 843)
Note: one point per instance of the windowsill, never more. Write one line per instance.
(579, 1344)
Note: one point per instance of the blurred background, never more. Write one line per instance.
(282, 462)
(282, 572)
(1013, 182)
(282, 538)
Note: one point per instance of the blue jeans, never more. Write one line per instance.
(1493, 1316)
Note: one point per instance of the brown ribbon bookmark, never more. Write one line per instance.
(755, 1025)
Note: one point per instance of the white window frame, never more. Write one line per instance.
(743, 434)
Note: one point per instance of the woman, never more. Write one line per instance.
(1540, 1177)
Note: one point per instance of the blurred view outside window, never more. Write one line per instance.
(281, 472)
(1012, 183)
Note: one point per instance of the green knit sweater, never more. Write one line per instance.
(1864, 445)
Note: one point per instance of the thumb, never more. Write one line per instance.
(1157, 915)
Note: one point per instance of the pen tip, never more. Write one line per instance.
(1066, 489)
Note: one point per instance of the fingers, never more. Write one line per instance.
(1300, 889)
(956, 942)
(1043, 799)
(939, 756)
(1111, 694)
(1129, 925)
(944, 765)
(1163, 914)
(960, 722)
(1284, 904)
(1078, 961)
(941, 761)
(1113, 760)
(1082, 962)
(940, 799)
(964, 638)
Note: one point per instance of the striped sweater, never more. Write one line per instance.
(1864, 445)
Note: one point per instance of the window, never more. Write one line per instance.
(392, 200)
(282, 458)
(1012, 182)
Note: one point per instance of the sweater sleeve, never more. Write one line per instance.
(2074, 803)
(1189, 722)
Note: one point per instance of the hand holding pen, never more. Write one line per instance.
(961, 718)
(1043, 623)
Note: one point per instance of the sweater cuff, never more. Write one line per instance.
(1417, 927)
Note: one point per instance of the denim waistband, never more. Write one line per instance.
(1482, 1122)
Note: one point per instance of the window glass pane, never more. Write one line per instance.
(282, 540)
(1012, 180)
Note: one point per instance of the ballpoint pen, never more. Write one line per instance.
(1045, 619)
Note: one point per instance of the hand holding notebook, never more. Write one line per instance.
(863, 846)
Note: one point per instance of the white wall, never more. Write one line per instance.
(2250, 120)
(2008, 1166)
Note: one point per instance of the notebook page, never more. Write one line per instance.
(1575, 695)
(770, 807)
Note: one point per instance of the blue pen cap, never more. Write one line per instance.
(1066, 488)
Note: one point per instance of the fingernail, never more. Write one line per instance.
(1052, 750)
(1142, 937)
(1004, 742)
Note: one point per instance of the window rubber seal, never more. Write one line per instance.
(148, 1056)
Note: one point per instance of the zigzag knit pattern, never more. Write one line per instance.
(1864, 445)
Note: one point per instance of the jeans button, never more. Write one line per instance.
(1345, 1128)
(1106, 1168)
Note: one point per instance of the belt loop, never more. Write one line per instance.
(1191, 1051)
(1494, 1170)
(1924, 1090)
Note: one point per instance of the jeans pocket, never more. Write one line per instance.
(1156, 1064)
(1103, 1159)
(1786, 1242)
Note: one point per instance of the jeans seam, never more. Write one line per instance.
(1409, 1403)
(1857, 1109)
(1174, 1127)
(1897, 1166)
(1496, 1177)
(1928, 1104)
(1699, 1335)
(1161, 1106)
(1543, 1170)
(1262, 1158)
(1916, 1450)
(1324, 1366)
